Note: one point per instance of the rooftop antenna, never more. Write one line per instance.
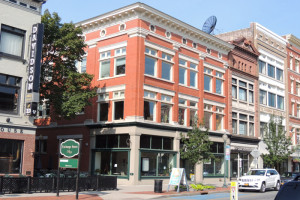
(210, 24)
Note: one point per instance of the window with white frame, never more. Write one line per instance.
(298, 110)
(263, 97)
(271, 99)
(280, 102)
(149, 105)
(150, 62)
(81, 65)
(234, 122)
(234, 88)
(182, 112)
(279, 74)
(103, 106)
(219, 118)
(291, 63)
(262, 67)
(149, 110)
(166, 108)
(251, 125)
(292, 87)
(250, 93)
(207, 79)
(182, 72)
(120, 61)
(193, 113)
(297, 66)
(242, 91)
(243, 119)
(293, 109)
(105, 64)
(263, 129)
(166, 66)
(208, 116)
(12, 41)
(193, 75)
(118, 97)
(219, 83)
(298, 88)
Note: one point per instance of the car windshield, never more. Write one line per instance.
(256, 172)
(288, 175)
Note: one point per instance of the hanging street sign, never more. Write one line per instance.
(227, 152)
(68, 163)
(255, 153)
(69, 148)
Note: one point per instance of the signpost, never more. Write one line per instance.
(68, 163)
(69, 149)
(255, 153)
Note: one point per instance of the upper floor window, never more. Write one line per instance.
(166, 67)
(105, 64)
(271, 71)
(279, 74)
(262, 67)
(120, 61)
(12, 41)
(9, 94)
(297, 66)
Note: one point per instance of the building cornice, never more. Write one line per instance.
(145, 12)
(293, 40)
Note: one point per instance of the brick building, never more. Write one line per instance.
(18, 20)
(154, 74)
(293, 100)
(244, 118)
(272, 76)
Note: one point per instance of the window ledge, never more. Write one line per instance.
(277, 109)
(111, 77)
(159, 78)
(194, 88)
(12, 57)
(214, 93)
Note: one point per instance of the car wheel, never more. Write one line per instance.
(277, 186)
(263, 187)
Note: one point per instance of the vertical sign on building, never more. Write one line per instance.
(34, 69)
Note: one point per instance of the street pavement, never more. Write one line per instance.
(124, 192)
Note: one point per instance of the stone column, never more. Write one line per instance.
(134, 158)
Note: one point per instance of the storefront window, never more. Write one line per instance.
(216, 165)
(11, 156)
(155, 160)
(156, 164)
(111, 154)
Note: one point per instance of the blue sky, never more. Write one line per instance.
(280, 16)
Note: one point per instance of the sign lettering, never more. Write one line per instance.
(34, 67)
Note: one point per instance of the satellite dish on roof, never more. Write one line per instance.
(209, 24)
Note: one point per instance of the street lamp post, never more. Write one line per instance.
(225, 137)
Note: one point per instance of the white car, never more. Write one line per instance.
(260, 179)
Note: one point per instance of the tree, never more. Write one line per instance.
(277, 143)
(196, 144)
(67, 90)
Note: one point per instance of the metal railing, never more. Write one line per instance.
(37, 184)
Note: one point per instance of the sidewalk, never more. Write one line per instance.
(124, 192)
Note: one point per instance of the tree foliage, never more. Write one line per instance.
(277, 143)
(196, 144)
(67, 90)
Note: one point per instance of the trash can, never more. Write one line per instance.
(158, 186)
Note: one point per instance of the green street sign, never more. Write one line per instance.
(69, 148)
(68, 163)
